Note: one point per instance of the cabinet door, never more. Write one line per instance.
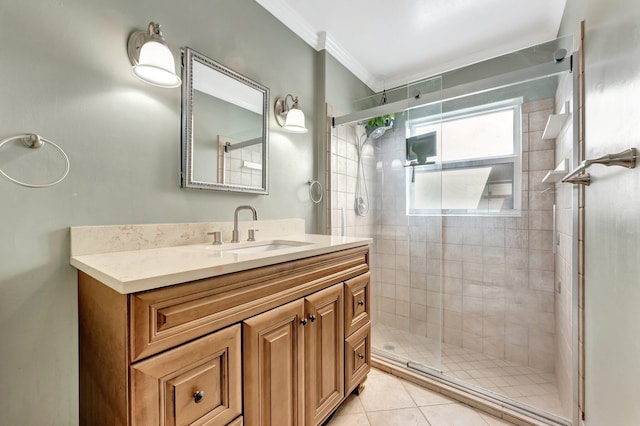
(196, 383)
(324, 353)
(273, 345)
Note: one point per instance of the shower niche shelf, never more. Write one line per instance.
(556, 175)
(556, 122)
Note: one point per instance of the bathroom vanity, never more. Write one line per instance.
(260, 336)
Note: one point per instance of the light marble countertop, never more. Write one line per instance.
(132, 271)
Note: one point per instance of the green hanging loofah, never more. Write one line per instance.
(381, 121)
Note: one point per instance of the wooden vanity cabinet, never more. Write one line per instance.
(357, 302)
(357, 331)
(324, 353)
(273, 344)
(293, 361)
(276, 345)
(196, 383)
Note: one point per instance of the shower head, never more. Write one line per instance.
(377, 132)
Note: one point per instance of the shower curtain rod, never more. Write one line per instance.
(484, 85)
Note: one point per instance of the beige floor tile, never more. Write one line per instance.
(505, 378)
(400, 417)
(351, 406)
(423, 407)
(452, 415)
(384, 392)
(422, 396)
(359, 419)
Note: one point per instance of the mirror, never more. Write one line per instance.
(224, 127)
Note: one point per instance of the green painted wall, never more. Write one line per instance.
(343, 86)
(65, 75)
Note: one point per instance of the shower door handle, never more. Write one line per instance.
(555, 241)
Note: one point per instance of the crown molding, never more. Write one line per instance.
(319, 40)
(292, 20)
(342, 55)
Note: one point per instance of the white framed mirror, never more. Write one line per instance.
(224, 127)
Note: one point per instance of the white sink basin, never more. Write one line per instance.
(265, 246)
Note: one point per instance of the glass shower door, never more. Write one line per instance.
(464, 271)
(408, 328)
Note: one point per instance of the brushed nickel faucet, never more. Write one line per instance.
(235, 235)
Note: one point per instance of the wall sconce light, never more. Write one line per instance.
(151, 58)
(290, 118)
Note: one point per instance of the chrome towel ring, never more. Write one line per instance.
(312, 183)
(34, 141)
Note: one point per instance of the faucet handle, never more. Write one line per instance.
(252, 234)
(217, 237)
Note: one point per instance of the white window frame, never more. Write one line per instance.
(515, 159)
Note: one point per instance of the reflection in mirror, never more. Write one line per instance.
(239, 162)
(224, 128)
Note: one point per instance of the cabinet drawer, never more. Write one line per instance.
(199, 382)
(357, 357)
(163, 318)
(357, 303)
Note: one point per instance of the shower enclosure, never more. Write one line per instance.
(472, 260)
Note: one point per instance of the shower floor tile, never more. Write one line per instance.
(521, 383)
(390, 401)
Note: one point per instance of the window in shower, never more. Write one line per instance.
(474, 167)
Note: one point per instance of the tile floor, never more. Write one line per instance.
(521, 383)
(390, 401)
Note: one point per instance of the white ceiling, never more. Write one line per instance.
(391, 43)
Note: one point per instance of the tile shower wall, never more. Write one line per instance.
(342, 166)
(496, 274)
(564, 261)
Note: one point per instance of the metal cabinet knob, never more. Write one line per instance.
(361, 356)
(312, 318)
(360, 302)
(303, 321)
(198, 397)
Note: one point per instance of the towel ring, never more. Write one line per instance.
(311, 184)
(35, 141)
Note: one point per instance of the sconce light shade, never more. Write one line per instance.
(290, 118)
(295, 121)
(151, 58)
